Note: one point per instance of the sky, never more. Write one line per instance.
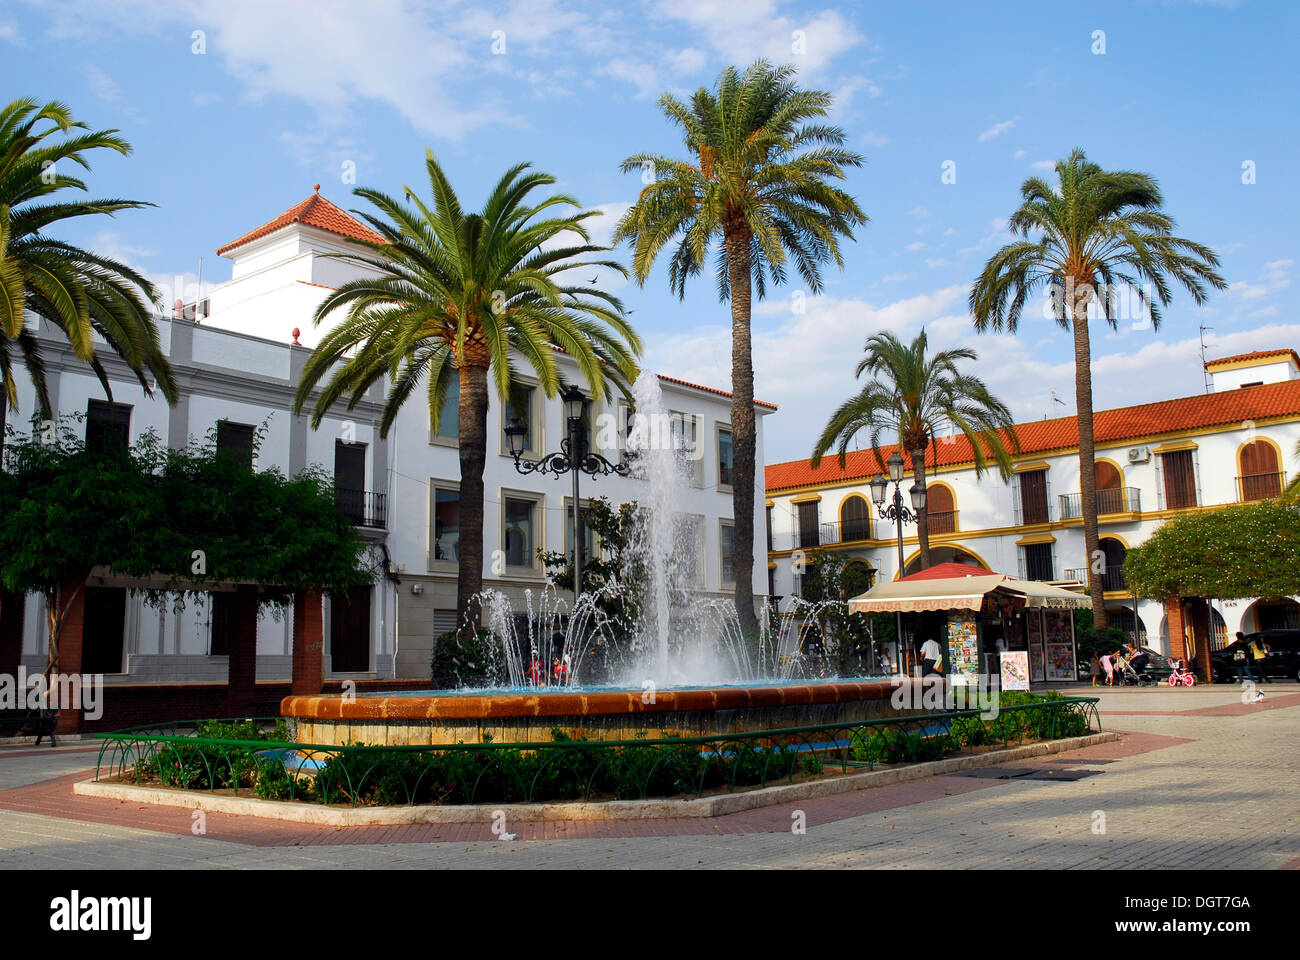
(235, 108)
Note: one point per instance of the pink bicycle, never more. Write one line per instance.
(1181, 674)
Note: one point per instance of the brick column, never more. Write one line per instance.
(1177, 628)
(308, 644)
(70, 646)
(1198, 616)
(11, 632)
(242, 679)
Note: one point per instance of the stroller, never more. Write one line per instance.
(1181, 674)
(1129, 676)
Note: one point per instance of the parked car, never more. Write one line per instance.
(1157, 667)
(1282, 662)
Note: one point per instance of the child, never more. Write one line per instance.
(1109, 667)
(1094, 669)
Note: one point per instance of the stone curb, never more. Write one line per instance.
(715, 806)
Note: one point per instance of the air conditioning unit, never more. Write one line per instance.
(1139, 454)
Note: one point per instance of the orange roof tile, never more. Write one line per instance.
(316, 212)
(721, 393)
(1257, 355)
(1062, 433)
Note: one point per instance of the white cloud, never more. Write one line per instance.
(105, 88)
(936, 262)
(1043, 164)
(1018, 154)
(743, 32)
(997, 130)
(641, 75)
(873, 139)
(914, 246)
(687, 61)
(9, 31)
(919, 212)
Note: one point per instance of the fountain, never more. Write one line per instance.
(675, 662)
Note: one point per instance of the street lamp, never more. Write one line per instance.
(574, 457)
(900, 514)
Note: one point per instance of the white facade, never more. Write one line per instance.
(995, 524)
(238, 365)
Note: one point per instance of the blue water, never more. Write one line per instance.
(506, 691)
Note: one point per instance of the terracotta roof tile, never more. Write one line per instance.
(316, 212)
(721, 393)
(1043, 436)
(1257, 355)
(944, 571)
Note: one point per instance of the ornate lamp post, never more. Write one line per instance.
(900, 514)
(574, 457)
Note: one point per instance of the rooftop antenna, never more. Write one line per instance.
(1204, 372)
(1055, 399)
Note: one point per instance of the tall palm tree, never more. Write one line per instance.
(758, 181)
(455, 293)
(80, 292)
(913, 396)
(1094, 230)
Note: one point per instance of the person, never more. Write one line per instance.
(931, 658)
(1259, 655)
(1241, 660)
(1138, 658)
(1094, 668)
(1108, 664)
(535, 671)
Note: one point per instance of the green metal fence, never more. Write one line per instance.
(176, 755)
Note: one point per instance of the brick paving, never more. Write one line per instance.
(1181, 788)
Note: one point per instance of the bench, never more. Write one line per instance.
(26, 722)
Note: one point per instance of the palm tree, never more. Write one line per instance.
(758, 182)
(454, 295)
(1095, 228)
(79, 292)
(913, 396)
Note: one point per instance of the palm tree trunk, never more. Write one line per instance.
(1087, 455)
(472, 438)
(923, 516)
(743, 429)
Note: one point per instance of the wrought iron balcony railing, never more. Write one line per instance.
(364, 509)
(1260, 486)
(1111, 500)
(1112, 578)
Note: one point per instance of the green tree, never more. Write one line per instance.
(833, 578)
(758, 191)
(1095, 231)
(79, 292)
(455, 293)
(912, 395)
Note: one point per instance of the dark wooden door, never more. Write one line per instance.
(104, 630)
(350, 631)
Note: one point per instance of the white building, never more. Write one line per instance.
(238, 369)
(1153, 462)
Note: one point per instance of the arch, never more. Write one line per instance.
(855, 518)
(1115, 549)
(1109, 474)
(1259, 474)
(944, 553)
(941, 507)
(1123, 617)
(1271, 613)
(867, 571)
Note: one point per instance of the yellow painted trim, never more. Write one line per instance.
(771, 564)
(1118, 466)
(1116, 537)
(1031, 466)
(1035, 538)
(808, 498)
(771, 503)
(907, 561)
(839, 511)
(1176, 446)
(1277, 452)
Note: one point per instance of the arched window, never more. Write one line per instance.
(939, 505)
(1260, 477)
(855, 519)
(1110, 488)
(1112, 578)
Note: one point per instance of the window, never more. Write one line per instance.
(1260, 478)
(1179, 479)
(685, 440)
(350, 630)
(727, 550)
(449, 413)
(588, 535)
(1038, 561)
(1110, 488)
(523, 397)
(446, 524)
(808, 526)
(518, 532)
(769, 528)
(726, 464)
(108, 426)
(771, 581)
(688, 541)
(940, 508)
(103, 630)
(1033, 496)
(855, 519)
(235, 440)
(350, 479)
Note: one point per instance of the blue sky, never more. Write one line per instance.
(287, 94)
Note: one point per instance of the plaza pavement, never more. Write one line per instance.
(1198, 779)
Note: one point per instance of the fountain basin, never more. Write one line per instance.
(515, 716)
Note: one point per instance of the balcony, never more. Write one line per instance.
(943, 522)
(362, 508)
(1110, 501)
(1112, 578)
(1260, 486)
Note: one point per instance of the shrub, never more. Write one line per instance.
(475, 662)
